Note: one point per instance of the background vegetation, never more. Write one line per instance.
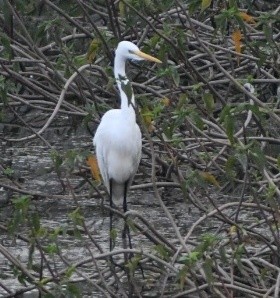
(209, 145)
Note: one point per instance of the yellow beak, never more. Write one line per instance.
(146, 56)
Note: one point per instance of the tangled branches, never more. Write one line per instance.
(210, 153)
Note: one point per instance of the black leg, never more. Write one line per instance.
(126, 230)
(124, 197)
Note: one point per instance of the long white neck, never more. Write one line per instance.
(127, 104)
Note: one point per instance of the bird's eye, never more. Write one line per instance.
(130, 52)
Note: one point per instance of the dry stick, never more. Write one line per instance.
(151, 228)
(63, 39)
(270, 181)
(80, 27)
(83, 222)
(43, 67)
(123, 215)
(39, 107)
(32, 129)
(225, 206)
(182, 55)
(47, 195)
(68, 18)
(222, 285)
(30, 41)
(226, 73)
(95, 243)
(20, 292)
(80, 273)
(245, 182)
(5, 288)
(158, 240)
(57, 107)
(134, 251)
(166, 211)
(255, 270)
(267, 294)
(26, 82)
(21, 267)
(100, 35)
(102, 278)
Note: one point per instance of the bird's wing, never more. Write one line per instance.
(100, 145)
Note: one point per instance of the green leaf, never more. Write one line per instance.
(230, 166)
(113, 235)
(191, 258)
(242, 157)
(207, 241)
(73, 291)
(35, 219)
(51, 249)
(57, 159)
(196, 118)
(77, 217)
(182, 275)
(133, 263)
(208, 269)
(162, 251)
(5, 42)
(175, 76)
(30, 255)
(257, 155)
(205, 4)
(223, 255)
(8, 172)
(238, 255)
(21, 203)
(70, 270)
(229, 125)
(209, 102)
(193, 5)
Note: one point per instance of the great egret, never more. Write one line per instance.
(118, 139)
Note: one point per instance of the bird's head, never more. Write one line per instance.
(129, 50)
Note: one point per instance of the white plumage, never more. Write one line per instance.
(118, 139)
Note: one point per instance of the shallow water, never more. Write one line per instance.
(33, 170)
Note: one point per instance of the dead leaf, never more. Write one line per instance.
(232, 230)
(92, 163)
(165, 101)
(236, 37)
(210, 178)
(246, 17)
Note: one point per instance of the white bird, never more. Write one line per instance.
(118, 139)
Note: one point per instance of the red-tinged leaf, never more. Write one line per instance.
(247, 18)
